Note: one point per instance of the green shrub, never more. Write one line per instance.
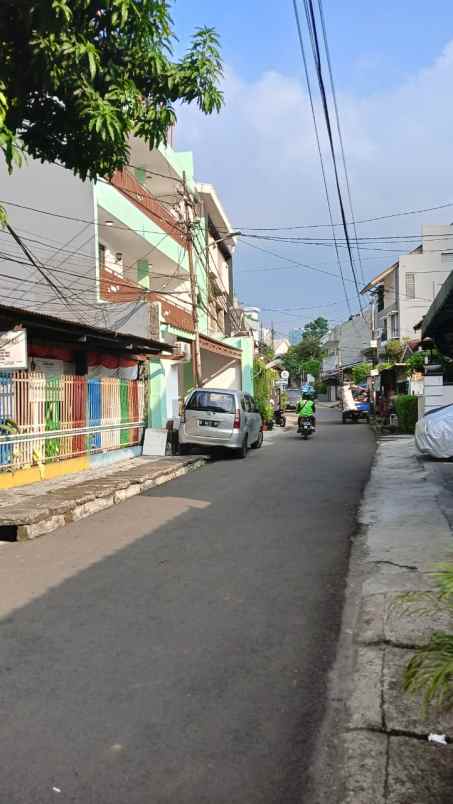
(263, 378)
(360, 372)
(407, 411)
(430, 670)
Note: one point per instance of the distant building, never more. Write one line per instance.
(402, 293)
(295, 336)
(281, 347)
(344, 346)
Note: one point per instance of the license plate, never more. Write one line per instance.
(207, 423)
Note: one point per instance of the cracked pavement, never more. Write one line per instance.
(404, 530)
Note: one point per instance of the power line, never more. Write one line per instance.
(401, 214)
(323, 172)
(311, 22)
(300, 265)
(340, 135)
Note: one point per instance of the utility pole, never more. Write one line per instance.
(272, 335)
(188, 205)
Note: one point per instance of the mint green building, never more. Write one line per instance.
(141, 240)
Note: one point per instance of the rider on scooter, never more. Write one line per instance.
(306, 408)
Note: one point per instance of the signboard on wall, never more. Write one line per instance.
(50, 366)
(154, 320)
(13, 350)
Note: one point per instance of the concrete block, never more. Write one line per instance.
(125, 494)
(404, 712)
(404, 626)
(364, 768)
(25, 532)
(388, 579)
(370, 623)
(365, 703)
(93, 507)
(419, 772)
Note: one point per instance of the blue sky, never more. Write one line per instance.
(394, 72)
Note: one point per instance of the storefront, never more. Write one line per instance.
(75, 394)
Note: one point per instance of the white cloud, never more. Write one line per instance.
(261, 154)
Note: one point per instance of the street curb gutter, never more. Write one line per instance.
(62, 507)
(373, 748)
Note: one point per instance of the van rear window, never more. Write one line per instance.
(212, 400)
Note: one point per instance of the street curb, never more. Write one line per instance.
(373, 746)
(31, 523)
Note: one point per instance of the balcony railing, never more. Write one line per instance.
(139, 195)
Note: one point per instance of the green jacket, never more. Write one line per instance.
(305, 407)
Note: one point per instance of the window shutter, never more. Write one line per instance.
(140, 174)
(143, 273)
(410, 286)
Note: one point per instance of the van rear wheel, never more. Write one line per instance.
(242, 452)
(259, 441)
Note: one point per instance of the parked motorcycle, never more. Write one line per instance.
(280, 418)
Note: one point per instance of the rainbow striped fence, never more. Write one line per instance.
(44, 419)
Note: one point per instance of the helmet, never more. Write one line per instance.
(306, 395)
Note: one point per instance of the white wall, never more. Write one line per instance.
(436, 393)
(173, 393)
(220, 371)
(67, 244)
(430, 274)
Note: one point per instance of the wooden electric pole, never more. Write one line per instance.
(188, 205)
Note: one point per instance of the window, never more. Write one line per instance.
(384, 335)
(214, 401)
(447, 258)
(380, 298)
(140, 174)
(143, 273)
(250, 404)
(394, 329)
(410, 286)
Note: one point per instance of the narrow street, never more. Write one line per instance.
(175, 649)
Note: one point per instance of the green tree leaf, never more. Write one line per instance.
(78, 78)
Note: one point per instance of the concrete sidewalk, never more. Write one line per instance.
(405, 530)
(31, 511)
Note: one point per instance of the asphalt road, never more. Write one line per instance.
(175, 648)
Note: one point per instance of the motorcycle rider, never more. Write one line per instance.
(305, 408)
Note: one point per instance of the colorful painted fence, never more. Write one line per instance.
(46, 419)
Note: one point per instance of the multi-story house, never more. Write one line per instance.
(108, 262)
(403, 292)
(343, 346)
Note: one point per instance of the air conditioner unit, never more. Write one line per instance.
(183, 348)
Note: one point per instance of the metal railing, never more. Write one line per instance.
(44, 419)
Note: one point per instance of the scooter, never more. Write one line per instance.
(306, 428)
(280, 418)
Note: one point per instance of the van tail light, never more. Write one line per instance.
(237, 420)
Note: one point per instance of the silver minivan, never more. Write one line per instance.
(216, 417)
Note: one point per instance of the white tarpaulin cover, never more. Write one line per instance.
(434, 433)
(347, 398)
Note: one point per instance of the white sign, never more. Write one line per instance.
(155, 442)
(285, 375)
(280, 384)
(13, 350)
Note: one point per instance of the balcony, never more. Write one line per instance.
(128, 185)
